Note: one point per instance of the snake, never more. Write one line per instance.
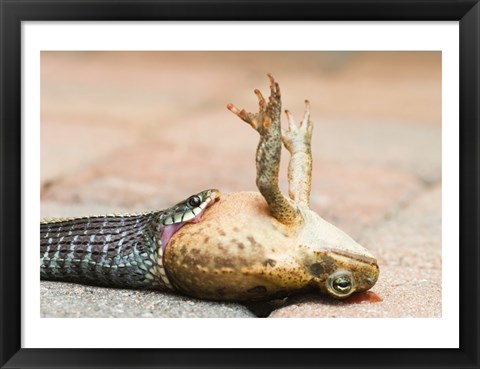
(117, 250)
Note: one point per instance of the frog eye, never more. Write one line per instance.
(194, 201)
(340, 283)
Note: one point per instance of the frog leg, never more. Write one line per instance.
(267, 123)
(297, 140)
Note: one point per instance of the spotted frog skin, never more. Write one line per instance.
(257, 246)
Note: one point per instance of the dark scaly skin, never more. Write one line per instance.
(112, 250)
(102, 250)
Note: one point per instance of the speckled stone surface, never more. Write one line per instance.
(141, 131)
(76, 301)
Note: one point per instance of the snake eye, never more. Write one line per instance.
(340, 283)
(194, 201)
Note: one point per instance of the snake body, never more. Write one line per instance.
(124, 250)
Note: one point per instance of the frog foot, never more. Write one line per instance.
(268, 113)
(297, 140)
(267, 123)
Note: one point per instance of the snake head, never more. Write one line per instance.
(191, 209)
(187, 211)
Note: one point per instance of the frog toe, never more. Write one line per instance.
(296, 137)
(247, 117)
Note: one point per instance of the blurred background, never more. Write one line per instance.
(123, 131)
(137, 131)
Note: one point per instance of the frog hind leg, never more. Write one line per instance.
(267, 123)
(297, 140)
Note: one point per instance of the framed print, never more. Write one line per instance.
(346, 221)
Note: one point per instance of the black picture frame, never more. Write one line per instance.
(467, 12)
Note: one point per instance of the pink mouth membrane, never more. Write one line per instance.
(170, 230)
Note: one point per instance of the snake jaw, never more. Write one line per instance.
(168, 232)
(171, 229)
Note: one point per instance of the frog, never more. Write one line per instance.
(252, 246)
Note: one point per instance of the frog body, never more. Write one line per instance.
(240, 252)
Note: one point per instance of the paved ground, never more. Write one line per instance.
(130, 132)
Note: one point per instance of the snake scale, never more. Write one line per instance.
(124, 250)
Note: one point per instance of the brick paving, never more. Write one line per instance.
(139, 131)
